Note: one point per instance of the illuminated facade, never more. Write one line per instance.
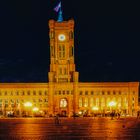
(64, 94)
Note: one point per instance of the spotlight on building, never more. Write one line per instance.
(28, 104)
(95, 108)
(35, 109)
(112, 104)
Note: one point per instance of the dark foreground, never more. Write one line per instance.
(70, 129)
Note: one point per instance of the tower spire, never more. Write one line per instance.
(60, 16)
(59, 11)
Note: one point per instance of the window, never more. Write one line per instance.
(0, 102)
(34, 92)
(67, 92)
(92, 93)
(119, 92)
(86, 102)
(11, 93)
(52, 51)
(114, 93)
(91, 102)
(86, 92)
(72, 92)
(45, 100)
(80, 93)
(40, 100)
(63, 103)
(103, 93)
(28, 92)
(80, 102)
(108, 92)
(63, 92)
(65, 71)
(61, 51)
(23, 93)
(5, 93)
(51, 35)
(17, 93)
(60, 70)
(45, 93)
(6, 103)
(71, 34)
(71, 51)
(40, 92)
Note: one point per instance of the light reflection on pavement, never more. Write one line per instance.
(69, 128)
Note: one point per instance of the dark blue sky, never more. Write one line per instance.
(107, 39)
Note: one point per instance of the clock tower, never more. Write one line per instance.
(62, 66)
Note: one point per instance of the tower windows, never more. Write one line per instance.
(71, 35)
(51, 35)
(52, 51)
(61, 51)
(71, 51)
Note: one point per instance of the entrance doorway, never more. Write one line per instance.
(63, 113)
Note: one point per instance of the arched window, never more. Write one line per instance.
(63, 103)
(80, 102)
(71, 35)
(91, 102)
(62, 51)
(52, 51)
(102, 102)
(97, 101)
(119, 102)
(86, 102)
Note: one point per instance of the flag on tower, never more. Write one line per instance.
(57, 8)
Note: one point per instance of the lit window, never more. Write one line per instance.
(86, 102)
(80, 102)
(63, 103)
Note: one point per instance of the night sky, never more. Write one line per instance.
(107, 39)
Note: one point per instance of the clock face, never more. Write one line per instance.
(61, 37)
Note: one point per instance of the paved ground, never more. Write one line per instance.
(78, 129)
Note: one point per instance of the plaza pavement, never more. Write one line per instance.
(69, 129)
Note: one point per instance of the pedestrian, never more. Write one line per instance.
(57, 121)
(73, 115)
(138, 115)
(119, 115)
